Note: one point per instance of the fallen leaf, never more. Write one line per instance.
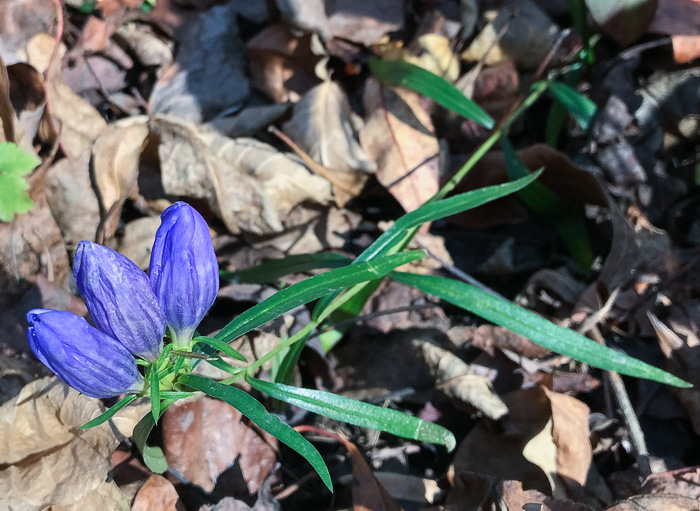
(203, 438)
(78, 123)
(208, 75)
(250, 185)
(490, 337)
(363, 21)
(515, 497)
(20, 20)
(40, 443)
(325, 127)
(249, 121)
(681, 20)
(115, 163)
(409, 488)
(72, 199)
(282, 65)
(157, 494)
(7, 113)
(682, 481)
(399, 136)
(544, 444)
(454, 377)
(28, 95)
(623, 20)
(657, 502)
(136, 240)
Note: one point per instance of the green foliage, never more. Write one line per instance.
(14, 165)
(578, 105)
(410, 76)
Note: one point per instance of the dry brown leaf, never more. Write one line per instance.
(508, 26)
(157, 494)
(683, 481)
(251, 185)
(208, 75)
(414, 489)
(7, 113)
(681, 20)
(137, 240)
(72, 199)
(202, 438)
(325, 127)
(78, 122)
(20, 20)
(657, 502)
(282, 65)
(28, 95)
(432, 52)
(545, 438)
(454, 377)
(363, 21)
(249, 121)
(399, 136)
(40, 442)
(115, 163)
(490, 337)
(106, 497)
(515, 497)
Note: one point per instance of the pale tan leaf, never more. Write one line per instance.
(157, 494)
(399, 135)
(40, 442)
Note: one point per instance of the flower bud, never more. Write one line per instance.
(184, 272)
(88, 360)
(120, 299)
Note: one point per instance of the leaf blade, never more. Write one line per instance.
(410, 76)
(356, 412)
(539, 330)
(255, 411)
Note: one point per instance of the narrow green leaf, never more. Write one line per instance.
(221, 346)
(109, 413)
(403, 74)
(432, 211)
(356, 412)
(273, 269)
(256, 412)
(582, 108)
(311, 289)
(174, 394)
(283, 369)
(153, 456)
(540, 331)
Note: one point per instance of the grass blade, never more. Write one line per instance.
(356, 412)
(109, 413)
(582, 108)
(403, 74)
(255, 411)
(273, 269)
(311, 289)
(539, 330)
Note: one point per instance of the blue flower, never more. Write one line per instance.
(184, 272)
(129, 309)
(120, 299)
(88, 360)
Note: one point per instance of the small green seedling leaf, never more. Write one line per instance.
(155, 393)
(109, 413)
(356, 412)
(582, 108)
(540, 331)
(256, 412)
(153, 457)
(403, 74)
(14, 165)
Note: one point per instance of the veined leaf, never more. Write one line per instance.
(410, 76)
(273, 269)
(356, 412)
(540, 331)
(221, 346)
(311, 289)
(582, 108)
(14, 164)
(255, 411)
(153, 456)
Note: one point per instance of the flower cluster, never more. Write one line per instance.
(130, 309)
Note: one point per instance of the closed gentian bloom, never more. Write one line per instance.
(88, 360)
(119, 297)
(184, 272)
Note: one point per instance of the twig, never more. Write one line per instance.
(628, 414)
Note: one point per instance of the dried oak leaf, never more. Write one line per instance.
(250, 185)
(203, 438)
(325, 127)
(400, 137)
(47, 461)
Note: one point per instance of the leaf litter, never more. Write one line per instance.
(193, 101)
